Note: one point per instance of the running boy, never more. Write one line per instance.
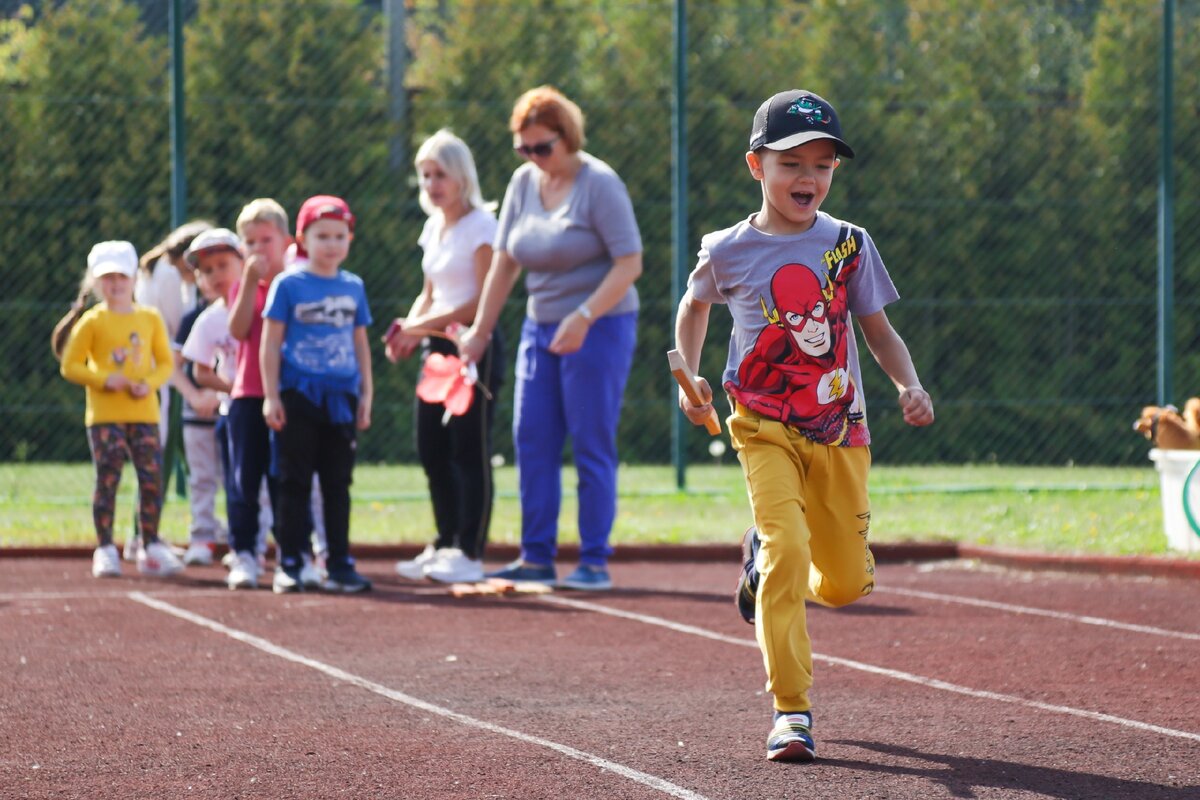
(792, 276)
(316, 371)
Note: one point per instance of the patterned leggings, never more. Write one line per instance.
(110, 443)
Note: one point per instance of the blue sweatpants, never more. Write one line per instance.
(578, 395)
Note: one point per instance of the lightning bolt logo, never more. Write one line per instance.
(836, 387)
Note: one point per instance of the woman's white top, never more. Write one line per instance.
(165, 290)
(449, 260)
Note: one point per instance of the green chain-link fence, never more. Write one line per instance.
(1008, 169)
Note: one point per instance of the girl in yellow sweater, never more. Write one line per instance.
(120, 353)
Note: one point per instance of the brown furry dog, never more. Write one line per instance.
(1165, 427)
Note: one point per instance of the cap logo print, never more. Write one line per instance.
(811, 112)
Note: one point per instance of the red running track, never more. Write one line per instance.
(952, 681)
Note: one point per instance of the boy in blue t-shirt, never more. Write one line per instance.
(317, 389)
(793, 278)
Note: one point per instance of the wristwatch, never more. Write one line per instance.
(585, 312)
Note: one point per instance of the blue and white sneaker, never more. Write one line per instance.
(747, 584)
(524, 571)
(588, 579)
(791, 737)
(345, 580)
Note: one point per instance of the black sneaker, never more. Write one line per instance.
(747, 585)
(346, 580)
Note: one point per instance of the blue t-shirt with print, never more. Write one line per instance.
(317, 357)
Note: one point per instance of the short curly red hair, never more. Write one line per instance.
(550, 108)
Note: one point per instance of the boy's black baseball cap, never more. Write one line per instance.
(795, 117)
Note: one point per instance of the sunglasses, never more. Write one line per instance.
(542, 149)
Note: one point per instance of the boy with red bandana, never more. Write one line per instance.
(792, 276)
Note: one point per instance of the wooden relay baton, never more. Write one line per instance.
(687, 382)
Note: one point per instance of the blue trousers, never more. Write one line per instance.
(578, 395)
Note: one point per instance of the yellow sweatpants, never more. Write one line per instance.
(813, 515)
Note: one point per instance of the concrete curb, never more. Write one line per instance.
(887, 553)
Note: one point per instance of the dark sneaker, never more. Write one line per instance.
(346, 580)
(524, 571)
(287, 580)
(791, 737)
(587, 578)
(747, 585)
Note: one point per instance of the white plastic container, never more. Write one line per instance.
(1173, 468)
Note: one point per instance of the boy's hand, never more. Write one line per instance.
(697, 415)
(364, 413)
(116, 382)
(273, 413)
(139, 389)
(255, 268)
(917, 406)
(205, 403)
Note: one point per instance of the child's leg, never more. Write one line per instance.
(776, 461)
(320, 544)
(147, 461)
(107, 443)
(839, 516)
(249, 457)
(200, 449)
(335, 469)
(297, 446)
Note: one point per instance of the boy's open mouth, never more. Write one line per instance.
(802, 198)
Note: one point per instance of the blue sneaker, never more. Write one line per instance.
(524, 571)
(346, 580)
(588, 579)
(791, 737)
(747, 585)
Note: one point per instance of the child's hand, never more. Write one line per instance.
(255, 268)
(917, 406)
(139, 389)
(205, 403)
(364, 413)
(116, 382)
(697, 415)
(273, 413)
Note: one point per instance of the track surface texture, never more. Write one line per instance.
(952, 681)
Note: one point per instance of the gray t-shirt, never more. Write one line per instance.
(568, 251)
(792, 355)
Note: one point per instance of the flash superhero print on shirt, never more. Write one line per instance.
(797, 371)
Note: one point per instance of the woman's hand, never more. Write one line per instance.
(398, 343)
(472, 345)
(569, 336)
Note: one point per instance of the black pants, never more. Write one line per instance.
(309, 443)
(457, 456)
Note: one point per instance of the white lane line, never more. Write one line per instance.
(664, 786)
(1038, 612)
(932, 683)
(34, 597)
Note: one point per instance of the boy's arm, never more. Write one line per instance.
(691, 328)
(241, 314)
(269, 355)
(207, 377)
(202, 402)
(892, 355)
(366, 393)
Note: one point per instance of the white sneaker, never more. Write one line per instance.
(414, 569)
(312, 572)
(157, 558)
(133, 544)
(198, 554)
(451, 565)
(106, 562)
(244, 572)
